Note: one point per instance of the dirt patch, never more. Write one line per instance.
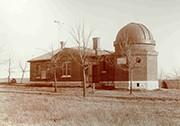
(70, 108)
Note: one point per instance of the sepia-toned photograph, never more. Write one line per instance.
(89, 63)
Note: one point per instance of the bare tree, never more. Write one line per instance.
(10, 69)
(82, 38)
(23, 70)
(176, 75)
(53, 66)
(56, 56)
(126, 51)
(5, 61)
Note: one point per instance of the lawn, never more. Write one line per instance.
(68, 108)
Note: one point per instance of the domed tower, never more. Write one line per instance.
(142, 46)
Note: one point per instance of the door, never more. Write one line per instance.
(95, 74)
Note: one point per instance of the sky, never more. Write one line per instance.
(27, 27)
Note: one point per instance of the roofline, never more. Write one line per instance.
(138, 43)
(38, 60)
(74, 48)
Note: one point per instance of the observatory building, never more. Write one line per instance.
(144, 75)
(134, 60)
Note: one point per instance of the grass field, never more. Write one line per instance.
(68, 108)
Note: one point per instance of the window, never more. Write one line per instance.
(38, 70)
(138, 84)
(103, 66)
(66, 69)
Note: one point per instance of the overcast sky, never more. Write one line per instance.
(27, 28)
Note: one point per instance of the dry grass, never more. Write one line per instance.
(56, 110)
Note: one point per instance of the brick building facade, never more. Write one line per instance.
(103, 67)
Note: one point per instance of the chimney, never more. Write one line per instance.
(96, 43)
(62, 44)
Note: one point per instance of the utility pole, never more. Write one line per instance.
(9, 71)
(53, 61)
(58, 26)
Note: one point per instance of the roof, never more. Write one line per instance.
(92, 52)
(48, 55)
(135, 33)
